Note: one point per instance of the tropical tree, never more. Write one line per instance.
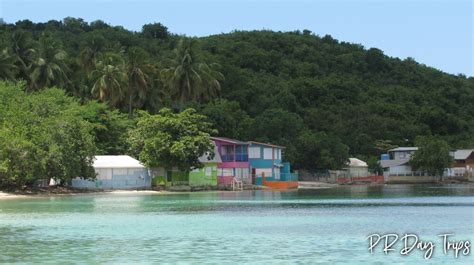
(110, 80)
(49, 67)
(91, 51)
(23, 47)
(7, 65)
(188, 78)
(432, 155)
(172, 140)
(138, 79)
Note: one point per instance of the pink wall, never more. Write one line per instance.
(233, 165)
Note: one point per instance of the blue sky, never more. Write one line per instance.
(438, 33)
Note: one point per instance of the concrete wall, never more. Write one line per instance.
(411, 179)
(206, 176)
(198, 177)
(116, 178)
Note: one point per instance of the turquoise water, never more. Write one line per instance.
(305, 226)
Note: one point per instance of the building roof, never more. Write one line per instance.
(228, 140)
(393, 163)
(267, 144)
(119, 161)
(205, 158)
(462, 154)
(401, 149)
(355, 162)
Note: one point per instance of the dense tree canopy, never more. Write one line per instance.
(432, 156)
(172, 140)
(322, 98)
(42, 137)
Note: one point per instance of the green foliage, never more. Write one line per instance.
(321, 151)
(288, 88)
(42, 137)
(228, 118)
(188, 78)
(432, 155)
(172, 140)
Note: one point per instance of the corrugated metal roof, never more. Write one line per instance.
(403, 149)
(272, 145)
(462, 154)
(393, 163)
(118, 161)
(205, 158)
(224, 139)
(355, 162)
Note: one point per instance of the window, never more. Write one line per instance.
(259, 171)
(227, 153)
(401, 155)
(225, 172)
(242, 173)
(208, 171)
(277, 172)
(241, 153)
(103, 173)
(119, 171)
(254, 152)
(279, 154)
(267, 153)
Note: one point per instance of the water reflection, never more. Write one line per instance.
(324, 225)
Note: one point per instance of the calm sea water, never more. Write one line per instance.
(305, 226)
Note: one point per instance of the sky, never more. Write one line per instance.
(438, 33)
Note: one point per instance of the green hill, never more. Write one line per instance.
(322, 98)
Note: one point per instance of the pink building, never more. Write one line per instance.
(235, 161)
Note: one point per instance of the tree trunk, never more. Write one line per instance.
(130, 110)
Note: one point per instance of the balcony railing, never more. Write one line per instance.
(288, 176)
(241, 157)
(237, 157)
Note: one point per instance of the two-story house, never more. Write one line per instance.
(235, 161)
(397, 162)
(266, 160)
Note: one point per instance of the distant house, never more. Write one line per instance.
(357, 168)
(116, 172)
(397, 161)
(198, 177)
(463, 164)
(206, 176)
(235, 161)
(463, 158)
(266, 160)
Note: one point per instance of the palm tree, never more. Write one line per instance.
(23, 47)
(7, 65)
(110, 80)
(91, 52)
(49, 68)
(188, 78)
(138, 79)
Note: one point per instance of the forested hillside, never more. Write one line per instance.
(322, 98)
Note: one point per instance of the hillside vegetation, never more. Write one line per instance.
(323, 99)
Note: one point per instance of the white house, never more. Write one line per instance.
(116, 172)
(398, 162)
(357, 167)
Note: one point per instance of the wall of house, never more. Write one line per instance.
(264, 160)
(116, 178)
(227, 170)
(206, 176)
(401, 154)
(359, 171)
(464, 163)
(402, 169)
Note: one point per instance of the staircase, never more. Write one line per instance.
(237, 184)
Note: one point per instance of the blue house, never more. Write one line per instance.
(266, 160)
